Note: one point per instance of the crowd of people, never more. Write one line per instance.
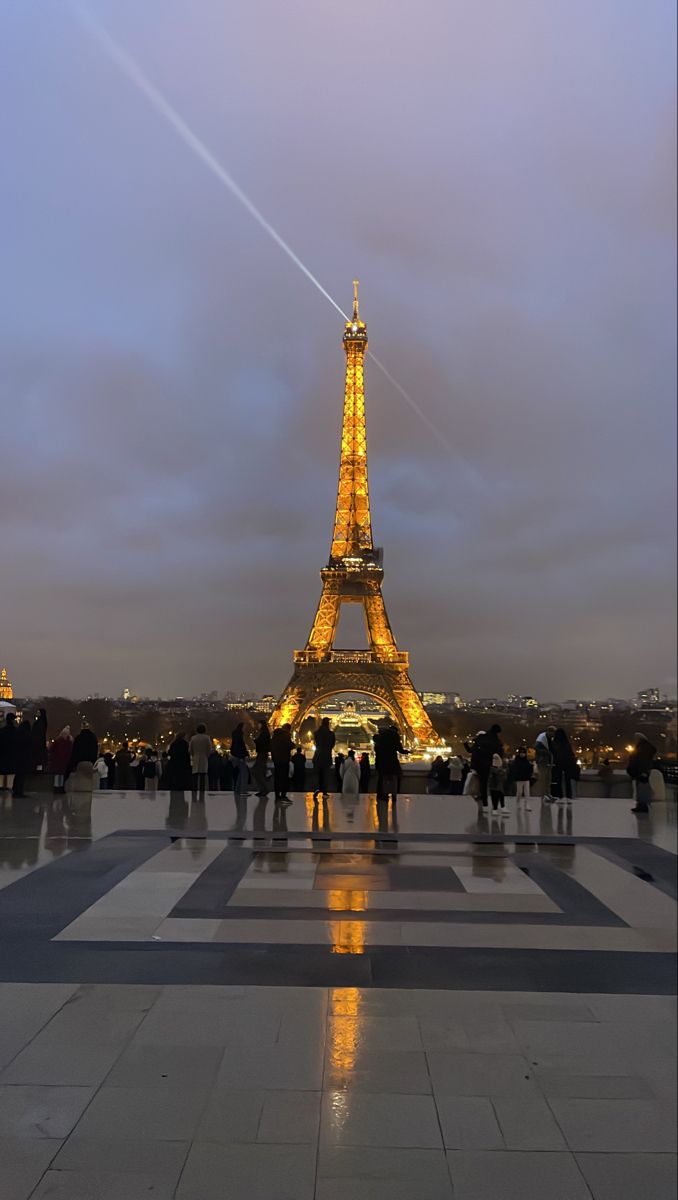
(195, 763)
(489, 775)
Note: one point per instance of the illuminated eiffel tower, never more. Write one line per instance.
(354, 575)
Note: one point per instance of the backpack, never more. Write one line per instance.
(149, 769)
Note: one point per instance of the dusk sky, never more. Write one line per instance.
(501, 178)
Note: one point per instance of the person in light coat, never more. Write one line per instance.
(200, 748)
(350, 776)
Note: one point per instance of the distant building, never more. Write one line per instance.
(440, 698)
(6, 689)
(648, 696)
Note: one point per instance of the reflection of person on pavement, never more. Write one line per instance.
(382, 820)
(177, 813)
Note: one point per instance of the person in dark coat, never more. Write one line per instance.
(520, 773)
(565, 767)
(59, 757)
(638, 769)
(24, 758)
(299, 776)
(85, 749)
(179, 775)
(214, 770)
(389, 772)
(110, 778)
(226, 776)
(324, 739)
(124, 776)
(365, 773)
(8, 752)
(439, 776)
(39, 741)
(485, 746)
(338, 760)
(262, 747)
(281, 753)
(606, 777)
(239, 755)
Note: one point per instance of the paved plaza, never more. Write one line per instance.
(241, 1001)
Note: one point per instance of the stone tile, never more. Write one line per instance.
(209, 1025)
(169, 1114)
(369, 1173)
(22, 1163)
(47, 1060)
(24, 1009)
(469, 1123)
(574, 1010)
(170, 1066)
(352, 1118)
(602, 1087)
(459, 1074)
(486, 1031)
(611, 1176)
(113, 1155)
(512, 1175)
(527, 1122)
(41, 1112)
(504, 880)
(373, 1071)
(616, 1125)
(232, 1115)
(651, 1009)
(290, 1117)
(376, 1033)
(272, 1067)
(261, 1172)
(95, 1185)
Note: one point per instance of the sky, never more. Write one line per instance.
(501, 177)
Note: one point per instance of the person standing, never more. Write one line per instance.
(85, 749)
(456, 767)
(338, 760)
(520, 772)
(365, 772)
(241, 771)
(124, 779)
(39, 740)
(199, 747)
(281, 753)
(214, 763)
(8, 752)
(110, 764)
(179, 764)
(23, 751)
(59, 757)
(101, 772)
(350, 776)
(543, 754)
(496, 782)
(149, 769)
(638, 769)
(262, 747)
(565, 768)
(389, 772)
(485, 746)
(299, 770)
(325, 739)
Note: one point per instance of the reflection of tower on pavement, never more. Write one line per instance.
(354, 575)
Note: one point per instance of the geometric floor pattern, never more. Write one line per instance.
(227, 1000)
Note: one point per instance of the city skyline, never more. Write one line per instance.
(174, 388)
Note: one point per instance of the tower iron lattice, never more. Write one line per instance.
(354, 575)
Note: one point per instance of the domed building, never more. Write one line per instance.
(6, 690)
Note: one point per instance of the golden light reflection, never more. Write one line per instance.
(348, 937)
(346, 1031)
(351, 900)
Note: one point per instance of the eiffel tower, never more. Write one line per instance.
(354, 575)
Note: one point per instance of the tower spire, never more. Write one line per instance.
(356, 313)
(352, 536)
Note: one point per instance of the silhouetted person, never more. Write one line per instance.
(23, 760)
(200, 747)
(350, 776)
(543, 757)
(124, 777)
(638, 769)
(8, 752)
(85, 749)
(110, 763)
(520, 772)
(59, 757)
(606, 775)
(241, 771)
(439, 776)
(214, 763)
(179, 765)
(338, 760)
(149, 769)
(39, 741)
(324, 739)
(485, 746)
(281, 753)
(262, 747)
(565, 767)
(299, 770)
(365, 772)
(226, 774)
(389, 772)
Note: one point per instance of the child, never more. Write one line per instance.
(496, 786)
(521, 772)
